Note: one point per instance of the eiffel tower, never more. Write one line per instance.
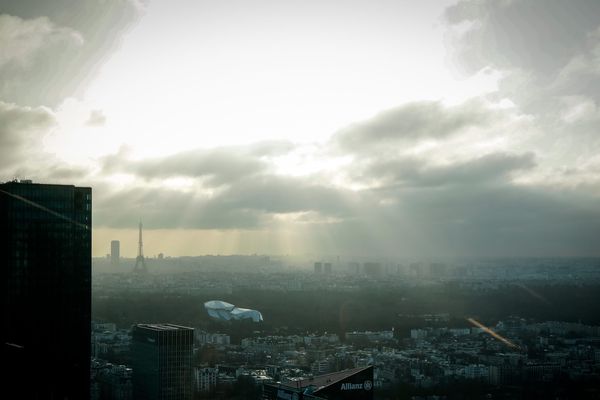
(140, 262)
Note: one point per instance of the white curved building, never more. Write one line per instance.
(224, 311)
(219, 309)
(246, 313)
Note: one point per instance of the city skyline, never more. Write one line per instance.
(394, 128)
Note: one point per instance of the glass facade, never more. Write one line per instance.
(45, 247)
(162, 362)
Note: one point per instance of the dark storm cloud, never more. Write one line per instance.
(243, 192)
(164, 208)
(249, 204)
(419, 205)
(478, 171)
(219, 166)
(416, 208)
(497, 219)
(412, 122)
(21, 132)
(284, 194)
(49, 49)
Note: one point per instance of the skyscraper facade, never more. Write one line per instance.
(318, 267)
(45, 245)
(162, 361)
(115, 252)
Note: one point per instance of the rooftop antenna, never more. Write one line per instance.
(140, 262)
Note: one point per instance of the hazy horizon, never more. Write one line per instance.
(385, 129)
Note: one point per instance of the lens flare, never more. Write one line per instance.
(493, 334)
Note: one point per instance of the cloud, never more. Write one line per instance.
(33, 56)
(49, 169)
(477, 171)
(22, 41)
(279, 194)
(21, 132)
(427, 177)
(165, 208)
(544, 49)
(270, 148)
(581, 75)
(410, 203)
(96, 118)
(217, 166)
(535, 35)
(416, 206)
(49, 50)
(413, 122)
(548, 55)
(22, 153)
(495, 219)
(229, 188)
(249, 204)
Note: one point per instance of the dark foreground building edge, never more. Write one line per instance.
(354, 384)
(45, 250)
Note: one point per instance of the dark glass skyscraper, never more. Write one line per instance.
(162, 362)
(45, 248)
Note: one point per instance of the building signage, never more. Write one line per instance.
(366, 385)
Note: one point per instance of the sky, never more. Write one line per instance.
(371, 128)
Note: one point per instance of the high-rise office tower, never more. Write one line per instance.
(162, 361)
(45, 245)
(115, 252)
(318, 267)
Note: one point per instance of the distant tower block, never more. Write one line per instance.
(140, 262)
(318, 267)
(115, 252)
(327, 268)
(372, 269)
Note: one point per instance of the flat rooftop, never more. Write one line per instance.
(164, 327)
(324, 380)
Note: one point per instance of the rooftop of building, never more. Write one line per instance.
(27, 182)
(324, 380)
(164, 327)
(38, 184)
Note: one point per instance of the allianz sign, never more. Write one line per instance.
(366, 385)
